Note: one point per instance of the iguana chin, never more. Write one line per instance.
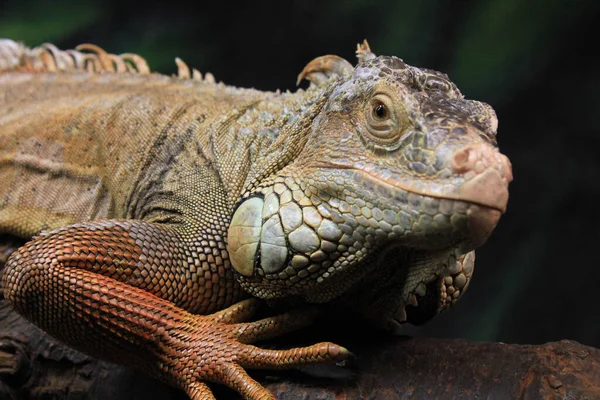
(161, 207)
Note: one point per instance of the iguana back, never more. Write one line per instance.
(82, 146)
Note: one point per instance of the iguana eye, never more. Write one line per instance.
(382, 120)
(380, 111)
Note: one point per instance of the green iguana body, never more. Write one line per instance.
(368, 191)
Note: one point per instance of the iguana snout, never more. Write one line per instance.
(487, 174)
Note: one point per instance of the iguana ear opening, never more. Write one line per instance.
(322, 68)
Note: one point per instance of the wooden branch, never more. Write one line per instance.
(33, 365)
(456, 369)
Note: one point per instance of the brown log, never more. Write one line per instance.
(35, 366)
(456, 369)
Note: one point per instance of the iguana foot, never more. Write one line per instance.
(120, 323)
(54, 283)
(216, 348)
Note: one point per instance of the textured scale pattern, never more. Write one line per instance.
(100, 315)
(159, 210)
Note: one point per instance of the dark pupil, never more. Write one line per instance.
(380, 111)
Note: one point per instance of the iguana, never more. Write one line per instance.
(161, 208)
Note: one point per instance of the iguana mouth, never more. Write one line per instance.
(483, 210)
(488, 189)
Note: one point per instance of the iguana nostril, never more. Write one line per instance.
(460, 160)
(478, 158)
(486, 175)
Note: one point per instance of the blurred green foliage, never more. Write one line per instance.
(37, 21)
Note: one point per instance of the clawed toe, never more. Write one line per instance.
(275, 326)
(238, 312)
(223, 350)
(200, 391)
(325, 352)
(236, 378)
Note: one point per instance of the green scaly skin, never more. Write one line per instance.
(156, 205)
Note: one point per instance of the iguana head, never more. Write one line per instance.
(399, 180)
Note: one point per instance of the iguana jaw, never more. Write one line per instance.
(483, 211)
(488, 189)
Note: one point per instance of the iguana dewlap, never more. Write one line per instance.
(157, 204)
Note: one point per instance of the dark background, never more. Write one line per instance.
(536, 62)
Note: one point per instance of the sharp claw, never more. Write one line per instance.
(401, 314)
(349, 357)
(412, 300)
(340, 353)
